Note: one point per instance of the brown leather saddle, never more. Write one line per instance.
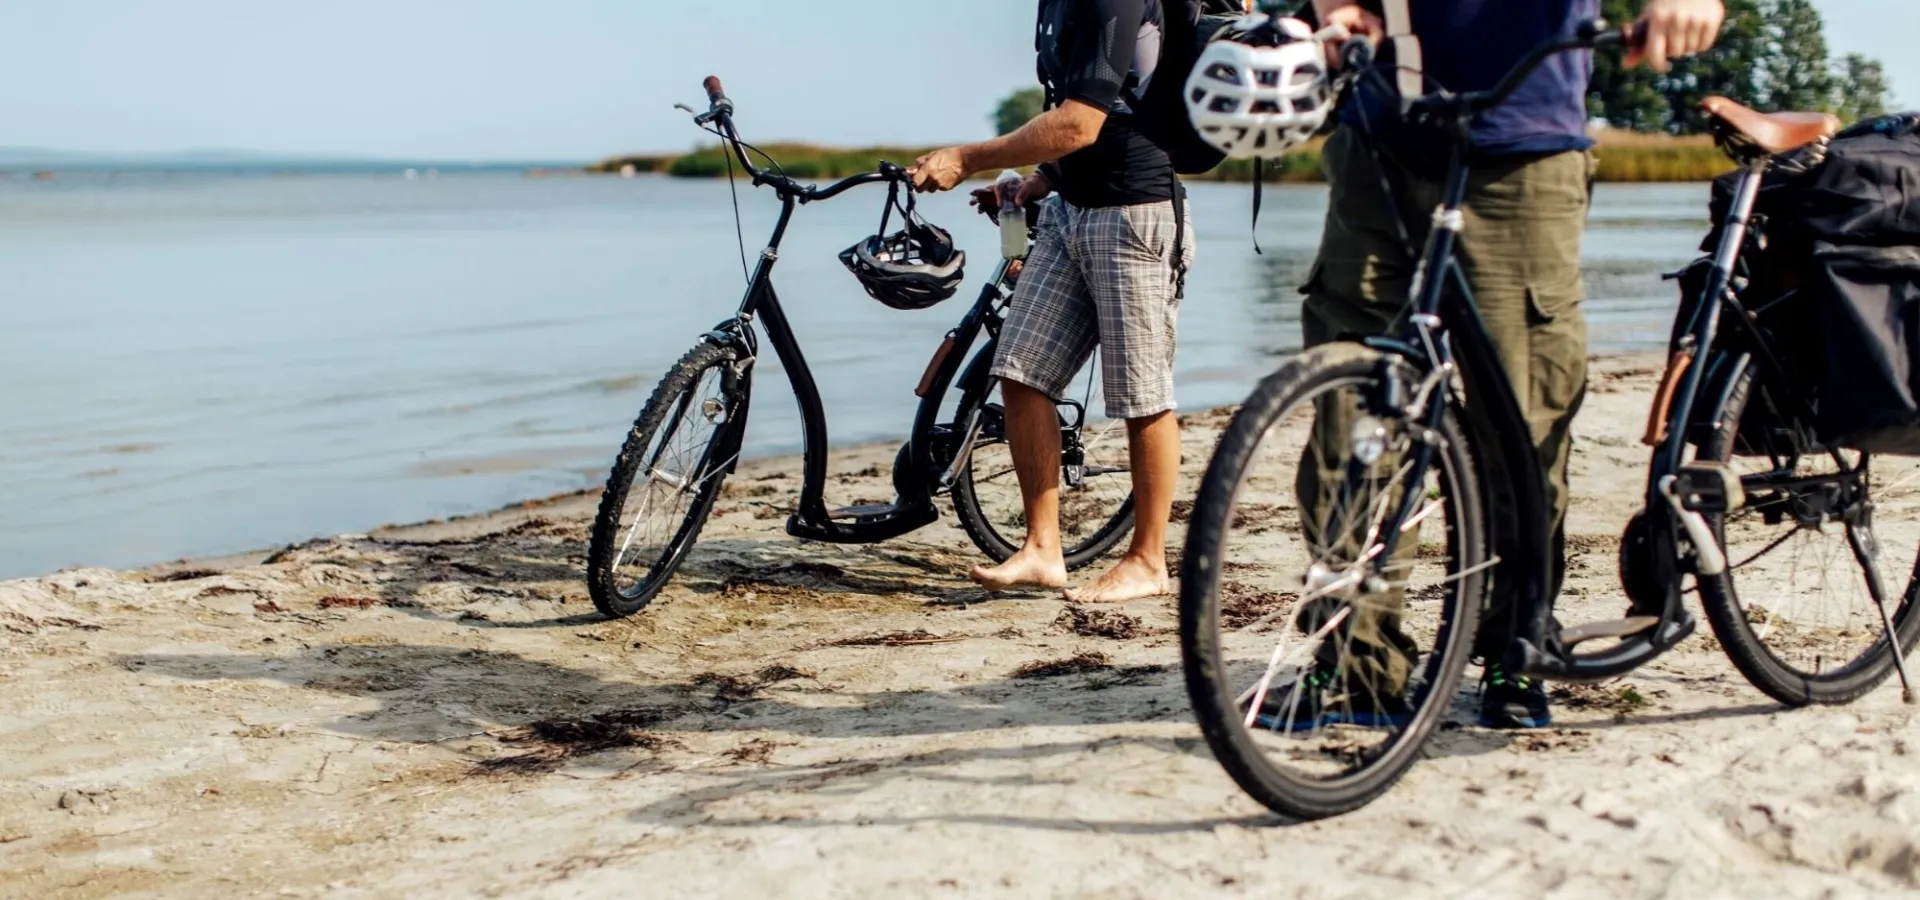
(1748, 134)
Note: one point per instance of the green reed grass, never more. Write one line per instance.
(1622, 157)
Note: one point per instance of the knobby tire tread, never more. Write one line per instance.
(681, 378)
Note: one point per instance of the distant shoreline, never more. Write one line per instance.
(1624, 157)
(54, 168)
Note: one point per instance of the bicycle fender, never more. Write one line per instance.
(738, 334)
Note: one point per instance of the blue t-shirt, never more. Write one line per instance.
(1469, 45)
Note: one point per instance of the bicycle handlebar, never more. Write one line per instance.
(1590, 35)
(1446, 107)
(720, 114)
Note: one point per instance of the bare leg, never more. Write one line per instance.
(1033, 434)
(1153, 447)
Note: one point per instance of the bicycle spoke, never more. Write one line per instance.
(1093, 501)
(676, 472)
(1326, 696)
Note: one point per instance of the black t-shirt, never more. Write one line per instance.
(1103, 53)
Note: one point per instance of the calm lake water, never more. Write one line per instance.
(195, 365)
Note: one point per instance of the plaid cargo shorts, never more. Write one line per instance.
(1098, 277)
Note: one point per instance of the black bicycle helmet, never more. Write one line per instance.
(913, 268)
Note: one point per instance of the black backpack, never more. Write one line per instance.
(1161, 111)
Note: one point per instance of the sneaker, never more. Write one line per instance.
(1513, 701)
(1320, 702)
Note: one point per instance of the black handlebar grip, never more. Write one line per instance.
(714, 92)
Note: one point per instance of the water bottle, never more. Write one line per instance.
(1013, 219)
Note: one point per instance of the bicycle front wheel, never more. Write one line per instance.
(1315, 671)
(664, 483)
(1096, 483)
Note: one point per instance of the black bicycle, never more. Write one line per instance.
(1429, 529)
(687, 439)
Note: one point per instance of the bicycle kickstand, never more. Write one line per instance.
(1899, 656)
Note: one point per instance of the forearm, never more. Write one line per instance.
(1048, 137)
(1323, 8)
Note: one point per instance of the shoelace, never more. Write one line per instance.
(1313, 684)
(1497, 677)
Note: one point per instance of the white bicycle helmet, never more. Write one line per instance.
(1261, 89)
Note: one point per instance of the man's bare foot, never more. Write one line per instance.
(1133, 579)
(1027, 569)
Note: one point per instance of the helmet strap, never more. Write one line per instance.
(907, 210)
(886, 212)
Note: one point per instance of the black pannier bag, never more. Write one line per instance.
(1868, 299)
(1838, 287)
(1861, 211)
(1864, 188)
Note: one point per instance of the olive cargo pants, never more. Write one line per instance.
(1520, 251)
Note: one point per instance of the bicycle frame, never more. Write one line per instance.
(1446, 337)
(1446, 334)
(915, 507)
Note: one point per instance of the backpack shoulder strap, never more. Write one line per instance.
(1409, 65)
(1179, 239)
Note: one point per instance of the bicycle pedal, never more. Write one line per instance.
(1709, 487)
(1619, 628)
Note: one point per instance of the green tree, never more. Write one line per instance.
(1862, 88)
(1796, 72)
(1772, 56)
(1642, 100)
(1018, 109)
(1732, 69)
(1625, 98)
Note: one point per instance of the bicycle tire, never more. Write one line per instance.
(1209, 688)
(999, 546)
(670, 399)
(1735, 627)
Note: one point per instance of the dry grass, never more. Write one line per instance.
(1624, 156)
(1091, 661)
(1101, 623)
(912, 638)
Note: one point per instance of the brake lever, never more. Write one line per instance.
(702, 119)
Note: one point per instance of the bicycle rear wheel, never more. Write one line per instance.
(1096, 501)
(1292, 645)
(664, 483)
(1822, 539)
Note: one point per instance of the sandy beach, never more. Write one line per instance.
(435, 711)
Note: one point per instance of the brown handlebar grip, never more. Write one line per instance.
(714, 92)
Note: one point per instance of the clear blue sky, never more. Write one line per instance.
(554, 79)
